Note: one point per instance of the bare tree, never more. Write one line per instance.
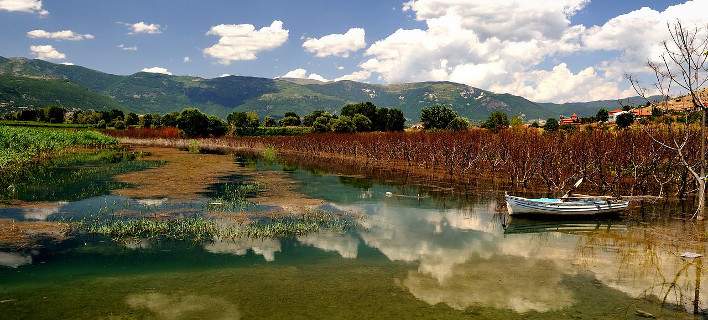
(683, 66)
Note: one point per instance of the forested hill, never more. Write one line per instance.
(28, 82)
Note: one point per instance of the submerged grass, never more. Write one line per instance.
(74, 176)
(199, 229)
(21, 146)
(270, 154)
(233, 197)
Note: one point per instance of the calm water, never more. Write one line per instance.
(417, 256)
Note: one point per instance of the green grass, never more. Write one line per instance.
(75, 176)
(22, 146)
(233, 198)
(17, 123)
(198, 228)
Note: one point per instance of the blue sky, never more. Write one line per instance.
(183, 27)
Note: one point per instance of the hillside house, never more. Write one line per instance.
(614, 113)
(572, 120)
(641, 113)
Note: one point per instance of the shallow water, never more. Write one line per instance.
(417, 255)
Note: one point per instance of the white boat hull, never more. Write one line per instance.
(523, 206)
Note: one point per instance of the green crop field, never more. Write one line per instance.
(20, 145)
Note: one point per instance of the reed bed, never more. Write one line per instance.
(619, 162)
(145, 133)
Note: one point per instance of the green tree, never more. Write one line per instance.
(603, 115)
(367, 109)
(497, 120)
(131, 119)
(322, 124)
(193, 123)
(116, 114)
(437, 117)
(625, 120)
(291, 114)
(119, 125)
(290, 121)
(268, 121)
(170, 119)
(55, 114)
(156, 120)
(217, 127)
(343, 124)
(516, 122)
(244, 122)
(146, 121)
(388, 120)
(551, 125)
(458, 124)
(309, 119)
(362, 123)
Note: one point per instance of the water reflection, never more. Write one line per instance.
(458, 253)
(240, 247)
(175, 306)
(14, 259)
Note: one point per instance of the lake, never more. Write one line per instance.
(416, 253)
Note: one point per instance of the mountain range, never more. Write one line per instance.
(31, 82)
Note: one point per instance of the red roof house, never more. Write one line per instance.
(572, 120)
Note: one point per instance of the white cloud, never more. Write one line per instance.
(637, 35)
(297, 73)
(58, 35)
(186, 60)
(47, 52)
(340, 45)
(142, 27)
(361, 75)
(302, 74)
(501, 45)
(67, 63)
(340, 68)
(30, 6)
(225, 75)
(127, 48)
(239, 42)
(562, 84)
(314, 76)
(157, 70)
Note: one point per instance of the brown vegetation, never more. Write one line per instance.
(627, 162)
(25, 234)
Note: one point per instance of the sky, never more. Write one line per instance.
(544, 50)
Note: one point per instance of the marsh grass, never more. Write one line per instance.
(193, 146)
(74, 176)
(270, 154)
(199, 229)
(234, 197)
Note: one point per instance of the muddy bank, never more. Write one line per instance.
(26, 234)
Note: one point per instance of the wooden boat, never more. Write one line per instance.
(566, 206)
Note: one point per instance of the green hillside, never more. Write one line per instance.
(36, 82)
(20, 91)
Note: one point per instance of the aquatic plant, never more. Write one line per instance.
(291, 226)
(193, 146)
(20, 146)
(233, 197)
(270, 154)
(198, 228)
(191, 228)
